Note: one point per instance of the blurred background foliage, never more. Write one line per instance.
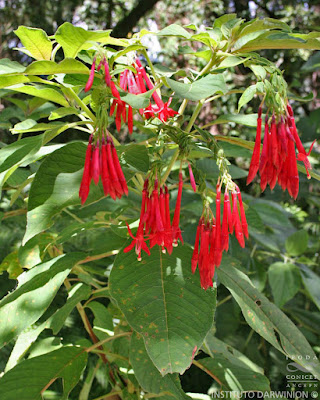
(282, 230)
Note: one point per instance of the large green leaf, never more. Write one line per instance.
(149, 377)
(74, 39)
(285, 281)
(23, 342)
(31, 377)
(10, 67)
(200, 89)
(66, 66)
(35, 41)
(16, 154)
(56, 186)
(173, 314)
(266, 319)
(278, 40)
(42, 91)
(35, 291)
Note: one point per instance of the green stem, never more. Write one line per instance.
(109, 339)
(170, 166)
(83, 106)
(144, 52)
(208, 66)
(194, 115)
(54, 52)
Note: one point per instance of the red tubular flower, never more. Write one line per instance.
(195, 254)
(105, 175)
(118, 170)
(176, 231)
(225, 228)
(204, 265)
(112, 170)
(217, 240)
(168, 239)
(244, 223)
(86, 177)
(139, 241)
(162, 110)
(96, 163)
(91, 76)
(192, 180)
(107, 76)
(254, 164)
(236, 220)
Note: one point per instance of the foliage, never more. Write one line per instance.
(86, 317)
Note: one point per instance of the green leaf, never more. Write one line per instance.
(63, 112)
(232, 376)
(66, 66)
(200, 89)
(231, 61)
(241, 119)
(311, 282)
(265, 318)
(77, 293)
(18, 152)
(10, 67)
(281, 40)
(173, 30)
(173, 314)
(297, 243)
(313, 63)
(56, 186)
(285, 281)
(74, 39)
(11, 80)
(36, 289)
(137, 100)
(29, 125)
(137, 156)
(247, 96)
(35, 41)
(213, 346)
(147, 374)
(102, 324)
(43, 92)
(262, 25)
(12, 265)
(66, 363)
(30, 254)
(259, 71)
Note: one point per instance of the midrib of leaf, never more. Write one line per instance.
(165, 308)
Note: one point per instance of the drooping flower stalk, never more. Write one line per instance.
(278, 160)
(102, 161)
(212, 238)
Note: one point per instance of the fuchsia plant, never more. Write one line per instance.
(142, 223)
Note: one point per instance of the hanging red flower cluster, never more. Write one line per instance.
(155, 222)
(278, 162)
(212, 237)
(134, 84)
(102, 161)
